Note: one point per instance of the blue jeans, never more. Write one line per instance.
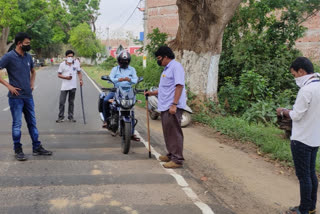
(304, 158)
(106, 105)
(25, 106)
(106, 109)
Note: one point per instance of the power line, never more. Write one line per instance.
(131, 14)
(119, 16)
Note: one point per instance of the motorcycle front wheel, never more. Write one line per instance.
(126, 138)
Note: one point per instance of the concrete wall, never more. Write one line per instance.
(164, 15)
(310, 43)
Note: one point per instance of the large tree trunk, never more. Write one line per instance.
(199, 41)
(4, 46)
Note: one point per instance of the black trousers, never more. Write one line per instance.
(304, 158)
(63, 97)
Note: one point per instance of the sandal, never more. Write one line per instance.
(135, 138)
(105, 125)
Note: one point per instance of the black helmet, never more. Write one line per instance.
(124, 59)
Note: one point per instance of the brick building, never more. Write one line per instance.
(164, 15)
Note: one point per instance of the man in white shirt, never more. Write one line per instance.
(68, 72)
(305, 138)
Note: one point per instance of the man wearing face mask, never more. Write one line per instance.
(305, 138)
(22, 76)
(171, 102)
(122, 75)
(68, 72)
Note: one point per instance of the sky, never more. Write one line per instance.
(114, 14)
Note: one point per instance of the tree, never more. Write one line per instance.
(9, 10)
(83, 11)
(84, 41)
(199, 41)
(156, 39)
(18, 16)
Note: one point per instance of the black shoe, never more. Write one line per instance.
(60, 120)
(41, 151)
(72, 120)
(19, 155)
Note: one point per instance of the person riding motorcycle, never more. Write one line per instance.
(122, 75)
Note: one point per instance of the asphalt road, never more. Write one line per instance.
(87, 172)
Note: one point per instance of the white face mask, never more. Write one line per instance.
(69, 59)
(300, 81)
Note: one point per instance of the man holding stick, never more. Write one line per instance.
(171, 102)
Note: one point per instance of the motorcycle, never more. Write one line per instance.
(154, 113)
(121, 111)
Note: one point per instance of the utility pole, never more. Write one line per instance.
(145, 22)
(108, 42)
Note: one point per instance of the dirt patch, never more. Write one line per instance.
(248, 147)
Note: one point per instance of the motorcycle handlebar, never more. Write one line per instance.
(109, 89)
(140, 90)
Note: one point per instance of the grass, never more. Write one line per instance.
(270, 139)
(95, 72)
(3, 74)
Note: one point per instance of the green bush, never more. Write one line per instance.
(151, 73)
(261, 112)
(258, 48)
(136, 62)
(109, 63)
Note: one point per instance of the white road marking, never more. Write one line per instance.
(95, 85)
(6, 109)
(180, 180)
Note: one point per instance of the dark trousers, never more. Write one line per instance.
(304, 158)
(106, 105)
(63, 96)
(25, 106)
(173, 135)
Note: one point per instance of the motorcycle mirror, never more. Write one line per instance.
(140, 79)
(105, 77)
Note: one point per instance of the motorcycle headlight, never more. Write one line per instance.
(126, 103)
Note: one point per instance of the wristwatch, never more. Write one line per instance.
(174, 104)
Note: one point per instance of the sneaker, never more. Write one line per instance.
(19, 155)
(313, 211)
(60, 120)
(41, 151)
(164, 158)
(72, 120)
(172, 165)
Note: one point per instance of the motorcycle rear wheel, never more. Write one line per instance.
(186, 119)
(126, 138)
(153, 115)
